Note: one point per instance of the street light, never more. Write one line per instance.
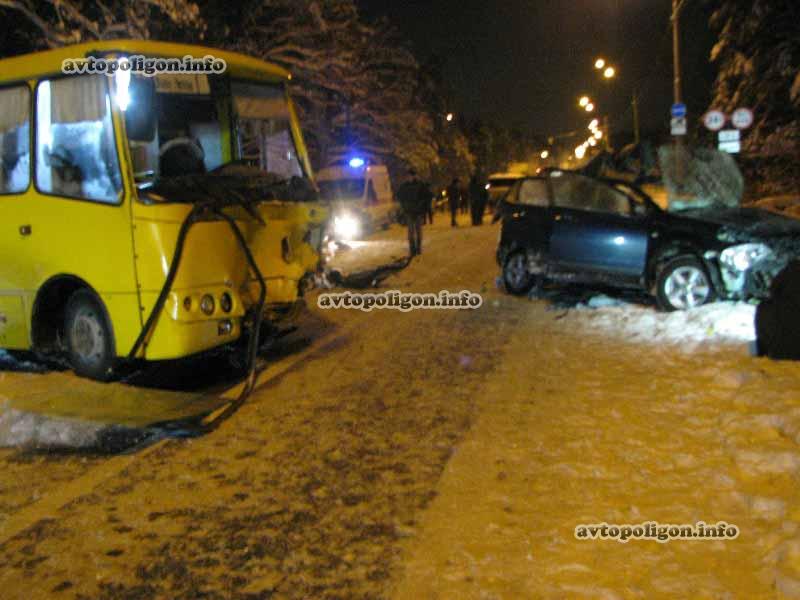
(580, 151)
(450, 117)
(584, 101)
(599, 63)
(544, 154)
(589, 107)
(598, 135)
(593, 125)
(609, 72)
(592, 141)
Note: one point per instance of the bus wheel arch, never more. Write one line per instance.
(49, 313)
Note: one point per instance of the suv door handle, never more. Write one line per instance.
(25, 230)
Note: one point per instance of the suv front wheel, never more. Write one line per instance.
(683, 283)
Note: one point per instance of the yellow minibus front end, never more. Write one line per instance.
(141, 211)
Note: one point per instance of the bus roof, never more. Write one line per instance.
(48, 62)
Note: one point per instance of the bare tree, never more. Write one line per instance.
(62, 22)
(355, 82)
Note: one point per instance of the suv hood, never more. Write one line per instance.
(745, 224)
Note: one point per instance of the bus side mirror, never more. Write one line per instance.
(141, 116)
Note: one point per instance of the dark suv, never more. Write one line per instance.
(567, 227)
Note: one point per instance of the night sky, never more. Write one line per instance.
(523, 63)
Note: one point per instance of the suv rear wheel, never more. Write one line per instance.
(516, 277)
(683, 283)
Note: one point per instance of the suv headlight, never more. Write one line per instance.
(744, 256)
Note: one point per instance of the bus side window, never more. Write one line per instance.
(76, 155)
(14, 139)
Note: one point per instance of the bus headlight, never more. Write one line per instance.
(744, 256)
(207, 304)
(346, 227)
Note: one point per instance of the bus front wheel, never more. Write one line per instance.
(88, 337)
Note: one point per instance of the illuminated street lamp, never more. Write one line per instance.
(450, 117)
(593, 125)
(609, 72)
(589, 107)
(584, 101)
(599, 63)
(580, 151)
(544, 154)
(592, 141)
(598, 134)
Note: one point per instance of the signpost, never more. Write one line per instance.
(714, 120)
(730, 141)
(742, 118)
(678, 109)
(678, 126)
(678, 119)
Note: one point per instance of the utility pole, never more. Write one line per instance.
(677, 5)
(676, 49)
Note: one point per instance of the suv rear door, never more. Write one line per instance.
(595, 230)
(527, 215)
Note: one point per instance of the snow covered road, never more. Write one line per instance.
(444, 454)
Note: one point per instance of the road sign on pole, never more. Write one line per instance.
(730, 141)
(742, 118)
(714, 120)
(678, 126)
(678, 110)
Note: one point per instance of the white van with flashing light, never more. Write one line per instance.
(360, 197)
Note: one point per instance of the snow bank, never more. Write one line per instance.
(713, 324)
(19, 429)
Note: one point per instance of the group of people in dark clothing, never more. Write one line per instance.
(417, 205)
(474, 198)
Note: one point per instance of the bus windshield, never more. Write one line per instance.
(204, 123)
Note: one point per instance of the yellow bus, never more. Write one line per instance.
(129, 203)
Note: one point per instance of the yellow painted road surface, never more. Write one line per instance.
(64, 396)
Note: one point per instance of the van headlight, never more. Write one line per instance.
(744, 256)
(346, 227)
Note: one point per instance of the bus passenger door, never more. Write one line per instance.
(15, 127)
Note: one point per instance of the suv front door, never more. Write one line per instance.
(595, 231)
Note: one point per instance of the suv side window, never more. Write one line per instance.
(569, 191)
(76, 155)
(533, 192)
(15, 151)
(583, 193)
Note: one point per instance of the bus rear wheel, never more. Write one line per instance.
(88, 337)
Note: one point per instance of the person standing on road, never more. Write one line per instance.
(428, 196)
(454, 200)
(414, 204)
(477, 200)
(464, 201)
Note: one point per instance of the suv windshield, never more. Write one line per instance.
(206, 122)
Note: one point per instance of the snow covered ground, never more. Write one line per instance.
(446, 454)
(719, 324)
